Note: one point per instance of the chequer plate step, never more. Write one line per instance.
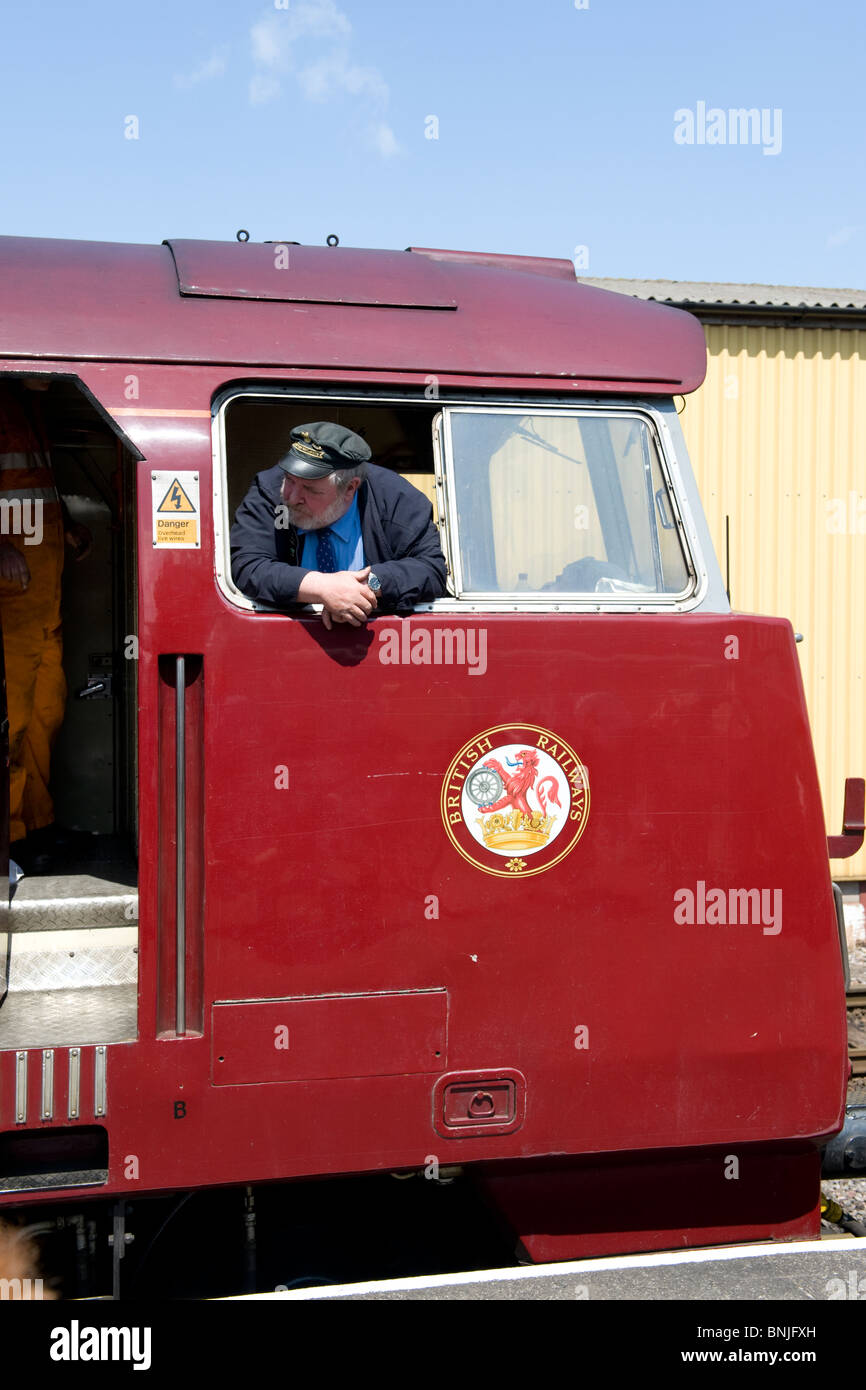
(69, 1017)
(68, 901)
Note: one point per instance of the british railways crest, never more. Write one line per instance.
(515, 800)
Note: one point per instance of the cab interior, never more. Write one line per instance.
(258, 429)
(68, 955)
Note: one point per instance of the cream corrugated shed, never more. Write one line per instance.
(777, 435)
(706, 293)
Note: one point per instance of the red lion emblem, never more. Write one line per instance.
(518, 784)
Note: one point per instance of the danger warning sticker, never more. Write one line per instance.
(176, 510)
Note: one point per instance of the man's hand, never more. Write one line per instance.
(13, 567)
(345, 596)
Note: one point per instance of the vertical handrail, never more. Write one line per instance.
(180, 824)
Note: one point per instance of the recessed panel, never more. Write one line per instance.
(329, 1036)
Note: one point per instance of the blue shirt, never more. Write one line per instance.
(345, 538)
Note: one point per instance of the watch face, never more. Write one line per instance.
(373, 582)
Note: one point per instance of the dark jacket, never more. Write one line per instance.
(400, 542)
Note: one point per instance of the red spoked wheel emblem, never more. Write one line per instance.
(515, 800)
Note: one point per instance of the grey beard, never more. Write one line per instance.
(333, 513)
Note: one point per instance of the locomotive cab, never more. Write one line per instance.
(387, 877)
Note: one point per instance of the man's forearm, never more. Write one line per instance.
(309, 589)
(267, 580)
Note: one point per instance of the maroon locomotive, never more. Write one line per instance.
(532, 879)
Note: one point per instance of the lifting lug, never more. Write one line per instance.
(844, 845)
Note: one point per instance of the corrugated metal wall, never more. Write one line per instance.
(777, 437)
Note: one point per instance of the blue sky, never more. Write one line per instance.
(556, 128)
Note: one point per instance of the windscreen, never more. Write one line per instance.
(568, 504)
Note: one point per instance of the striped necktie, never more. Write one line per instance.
(326, 560)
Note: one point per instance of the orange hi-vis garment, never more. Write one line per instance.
(31, 520)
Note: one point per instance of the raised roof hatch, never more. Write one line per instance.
(308, 274)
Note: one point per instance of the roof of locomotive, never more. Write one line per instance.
(462, 316)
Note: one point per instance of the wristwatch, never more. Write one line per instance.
(374, 583)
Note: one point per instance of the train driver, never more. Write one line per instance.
(326, 526)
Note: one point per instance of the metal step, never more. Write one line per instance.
(69, 1017)
(68, 902)
(73, 961)
(90, 959)
(47, 1182)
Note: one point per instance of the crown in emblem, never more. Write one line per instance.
(514, 831)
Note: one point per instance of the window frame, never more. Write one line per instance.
(515, 600)
(317, 396)
(453, 602)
